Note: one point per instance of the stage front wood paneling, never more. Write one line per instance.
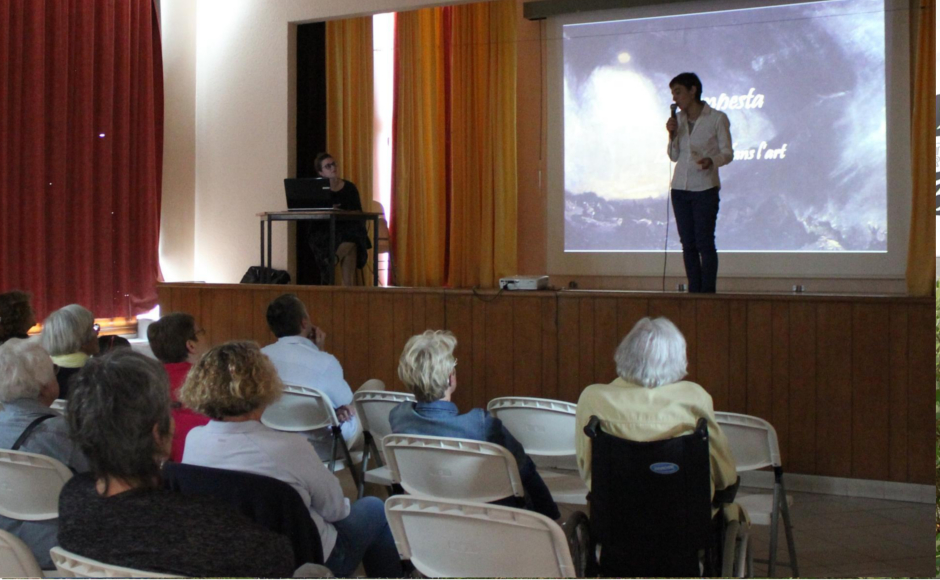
(846, 381)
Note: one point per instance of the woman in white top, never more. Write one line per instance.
(699, 143)
(232, 384)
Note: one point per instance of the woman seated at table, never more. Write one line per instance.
(120, 514)
(428, 367)
(352, 240)
(233, 384)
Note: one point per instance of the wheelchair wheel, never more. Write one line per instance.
(577, 532)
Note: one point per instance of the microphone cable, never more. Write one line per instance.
(666, 242)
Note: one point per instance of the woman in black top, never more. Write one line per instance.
(352, 240)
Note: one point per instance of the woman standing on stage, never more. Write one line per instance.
(352, 240)
(699, 143)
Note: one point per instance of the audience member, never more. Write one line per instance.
(119, 414)
(110, 342)
(300, 360)
(233, 384)
(16, 315)
(27, 388)
(70, 335)
(175, 341)
(649, 401)
(428, 367)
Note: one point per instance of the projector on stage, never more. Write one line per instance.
(524, 283)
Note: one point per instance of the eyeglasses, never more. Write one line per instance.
(330, 165)
(197, 333)
(96, 327)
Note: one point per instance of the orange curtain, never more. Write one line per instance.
(350, 101)
(454, 193)
(921, 264)
(419, 184)
(483, 144)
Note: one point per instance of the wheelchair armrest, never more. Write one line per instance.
(727, 494)
(591, 428)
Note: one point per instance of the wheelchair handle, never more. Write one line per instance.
(591, 429)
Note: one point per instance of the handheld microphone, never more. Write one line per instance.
(672, 110)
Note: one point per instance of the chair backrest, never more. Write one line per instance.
(300, 409)
(16, 559)
(59, 405)
(450, 468)
(545, 428)
(753, 441)
(373, 408)
(458, 539)
(650, 502)
(265, 500)
(73, 565)
(30, 484)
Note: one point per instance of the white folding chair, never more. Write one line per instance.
(546, 429)
(308, 409)
(73, 565)
(450, 468)
(59, 405)
(16, 559)
(446, 538)
(754, 446)
(373, 408)
(30, 484)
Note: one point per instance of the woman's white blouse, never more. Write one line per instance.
(710, 137)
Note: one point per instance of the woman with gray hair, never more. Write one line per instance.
(649, 400)
(119, 414)
(27, 388)
(428, 367)
(70, 335)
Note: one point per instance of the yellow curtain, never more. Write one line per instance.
(350, 102)
(419, 188)
(483, 144)
(921, 267)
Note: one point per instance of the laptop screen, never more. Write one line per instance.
(308, 193)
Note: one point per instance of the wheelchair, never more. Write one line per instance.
(651, 511)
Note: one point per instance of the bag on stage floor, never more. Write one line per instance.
(260, 275)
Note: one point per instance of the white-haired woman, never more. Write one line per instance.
(428, 367)
(70, 335)
(649, 400)
(27, 387)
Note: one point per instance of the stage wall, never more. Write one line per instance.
(846, 381)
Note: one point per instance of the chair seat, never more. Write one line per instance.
(379, 475)
(566, 486)
(759, 506)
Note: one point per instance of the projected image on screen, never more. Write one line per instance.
(804, 88)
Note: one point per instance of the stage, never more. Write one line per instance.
(847, 381)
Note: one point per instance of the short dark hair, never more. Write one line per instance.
(15, 310)
(114, 403)
(319, 159)
(285, 315)
(110, 342)
(688, 80)
(168, 336)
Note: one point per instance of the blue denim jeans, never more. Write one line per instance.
(364, 536)
(696, 216)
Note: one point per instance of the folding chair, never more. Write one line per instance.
(16, 559)
(546, 429)
(30, 485)
(447, 538)
(73, 565)
(308, 409)
(651, 508)
(373, 408)
(265, 500)
(450, 468)
(754, 446)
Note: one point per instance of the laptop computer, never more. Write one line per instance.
(308, 193)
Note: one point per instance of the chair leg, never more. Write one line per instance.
(338, 435)
(788, 530)
(364, 467)
(774, 522)
(333, 451)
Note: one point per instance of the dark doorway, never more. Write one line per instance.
(311, 127)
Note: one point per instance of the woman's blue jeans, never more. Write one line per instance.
(364, 536)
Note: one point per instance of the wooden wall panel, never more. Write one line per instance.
(847, 382)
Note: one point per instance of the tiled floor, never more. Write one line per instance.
(845, 537)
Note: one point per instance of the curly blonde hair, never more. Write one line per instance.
(231, 380)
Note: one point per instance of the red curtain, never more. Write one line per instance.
(81, 153)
